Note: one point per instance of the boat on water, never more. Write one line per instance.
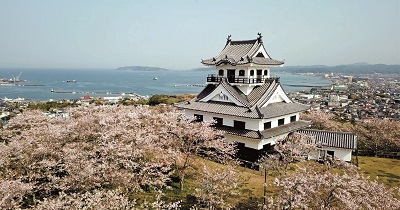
(155, 78)
(6, 83)
(72, 81)
(12, 81)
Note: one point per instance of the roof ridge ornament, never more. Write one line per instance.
(248, 58)
(228, 40)
(259, 38)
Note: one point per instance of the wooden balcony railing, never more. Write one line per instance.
(239, 80)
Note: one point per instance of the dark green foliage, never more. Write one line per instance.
(128, 102)
(168, 99)
(46, 106)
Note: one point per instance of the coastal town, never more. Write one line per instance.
(182, 105)
(352, 98)
(355, 98)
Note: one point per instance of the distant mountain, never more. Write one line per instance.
(141, 68)
(357, 68)
(360, 64)
(354, 69)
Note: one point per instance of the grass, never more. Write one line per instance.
(252, 182)
(387, 170)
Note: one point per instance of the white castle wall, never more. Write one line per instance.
(251, 124)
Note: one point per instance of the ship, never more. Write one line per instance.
(11, 81)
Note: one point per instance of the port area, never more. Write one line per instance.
(92, 92)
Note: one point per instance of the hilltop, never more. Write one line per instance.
(357, 68)
(141, 68)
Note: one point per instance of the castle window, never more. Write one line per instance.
(259, 72)
(223, 97)
(221, 72)
(267, 125)
(241, 73)
(199, 117)
(239, 124)
(293, 118)
(281, 121)
(218, 121)
(331, 153)
(251, 72)
(265, 72)
(260, 55)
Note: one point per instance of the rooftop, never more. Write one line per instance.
(270, 111)
(252, 105)
(257, 97)
(332, 139)
(268, 133)
(242, 52)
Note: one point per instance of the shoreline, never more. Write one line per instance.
(38, 88)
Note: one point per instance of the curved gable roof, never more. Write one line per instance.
(242, 52)
(206, 91)
(257, 97)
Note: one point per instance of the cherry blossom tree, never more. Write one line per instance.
(308, 188)
(325, 121)
(58, 160)
(199, 139)
(333, 185)
(216, 186)
(102, 199)
(378, 135)
(293, 148)
(12, 192)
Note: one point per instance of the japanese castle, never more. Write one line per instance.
(247, 103)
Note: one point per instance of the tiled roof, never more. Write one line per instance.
(265, 134)
(235, 92)
(257, 97)
(240, 132)
(272, 110)
(219, 108)
(282, 108)
(332, 139)
(266, 61)
(294, 126)
(241, 52)
(207, 90)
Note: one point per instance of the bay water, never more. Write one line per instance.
(75, 83)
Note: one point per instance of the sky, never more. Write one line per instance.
(177, 34)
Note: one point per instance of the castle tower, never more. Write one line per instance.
(248, 104)
(244, 64)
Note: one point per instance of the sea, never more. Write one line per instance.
(56, 84)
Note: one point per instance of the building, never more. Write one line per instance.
(334, 144)
(247, 104)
